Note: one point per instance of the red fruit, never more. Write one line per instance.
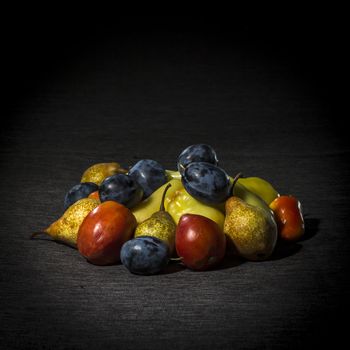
(94, 195)
(200, 243)
(289, 217)
(104, 231)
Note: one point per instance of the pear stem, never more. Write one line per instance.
(163, 197)
(34, 234)
(235, 179)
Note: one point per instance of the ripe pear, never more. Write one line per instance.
(160, 225)
(98, 172)
(251, 229)
(66, 228)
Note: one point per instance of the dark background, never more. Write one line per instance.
(264, 93)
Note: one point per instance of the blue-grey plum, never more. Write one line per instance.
(121, 188)
(144, 255)
(77, 192)
(206, 182)
(196, 153)
(149, 174)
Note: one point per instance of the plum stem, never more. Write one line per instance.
(176, 259)
(163, 197)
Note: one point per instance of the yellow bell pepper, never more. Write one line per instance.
(260, 187)
(183, 203)
(150, 205)
(173, 174)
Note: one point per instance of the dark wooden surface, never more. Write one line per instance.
(266, 106)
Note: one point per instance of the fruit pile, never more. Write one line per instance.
(147, 216)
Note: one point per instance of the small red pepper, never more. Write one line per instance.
(289, 217)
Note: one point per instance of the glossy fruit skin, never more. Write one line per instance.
(289, 217)
(144, 255)
(151, 205)
(196, 153)
(183, 203)
(104, 231)
(79, 191)
(200, 242)
(149, 174)
(98, 172)
(206, 182)
(121, 188)
(94, 195)
(260, 187)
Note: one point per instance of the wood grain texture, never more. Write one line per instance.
(149, 96)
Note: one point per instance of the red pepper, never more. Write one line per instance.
(289, 217)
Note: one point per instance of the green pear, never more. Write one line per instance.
(66, 228)
(160, 225)
(251, 229)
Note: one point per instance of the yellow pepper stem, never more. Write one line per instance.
(162, 208)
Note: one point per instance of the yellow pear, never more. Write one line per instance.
(251, 229)
(66, 228)
(160, 225)
(98, 172)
